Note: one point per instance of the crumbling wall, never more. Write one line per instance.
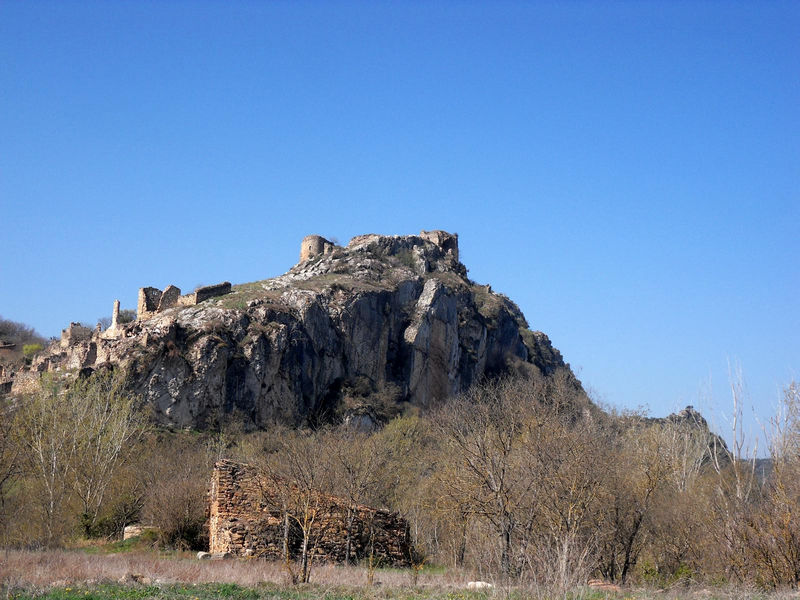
(169, 298)
(74, 333)
(153, 301)
(147, 304)
(211, 291)
(204, 293)
(246, 520)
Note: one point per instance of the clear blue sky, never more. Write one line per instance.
(627, 172)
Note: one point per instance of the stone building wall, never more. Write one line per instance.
(211, 291)
(245, 520)
(147, 304)
(74, 333)
(153, 300)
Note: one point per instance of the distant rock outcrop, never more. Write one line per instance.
(691, 421)
(349, 331)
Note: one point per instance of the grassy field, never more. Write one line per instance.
(82, 575)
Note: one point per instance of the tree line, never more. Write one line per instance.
(520, 478)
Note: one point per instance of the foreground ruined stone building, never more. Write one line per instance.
(245, 519)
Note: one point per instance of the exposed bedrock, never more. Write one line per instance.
(387, 320)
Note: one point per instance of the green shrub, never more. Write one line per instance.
(28, 350)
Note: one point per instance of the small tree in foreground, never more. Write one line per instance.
(294, 473)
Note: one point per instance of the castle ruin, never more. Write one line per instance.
(314, 245)
(75, 333)
(245, 520)
(153, 301)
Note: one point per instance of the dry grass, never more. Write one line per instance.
(39, 572)
(242, 294)
(60, 567)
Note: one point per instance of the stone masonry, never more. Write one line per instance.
(74, 333)
(314, 245)
(147, 305)
(210, 291)
(245, 520)
(153, 300)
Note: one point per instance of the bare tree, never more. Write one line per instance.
(174, 495)
(108, 423)
(773, 535)
(10, 468)
(293, 475)
(734, 487)
(569, 467)
(494, 435)
(354, 472)
(45, 428)
(635, 479)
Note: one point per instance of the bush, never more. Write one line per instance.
(175, 500)
(28, 350)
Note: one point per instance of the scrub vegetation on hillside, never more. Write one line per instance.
(520, 481)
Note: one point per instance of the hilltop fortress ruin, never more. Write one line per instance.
(153, 301)
(348, 332)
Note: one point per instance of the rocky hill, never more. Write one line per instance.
(348, 332)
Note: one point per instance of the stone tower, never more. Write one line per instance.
(115, 315)
(313, 245)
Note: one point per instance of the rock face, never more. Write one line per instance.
(347, 332)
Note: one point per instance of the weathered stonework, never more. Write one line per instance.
(244, 520)
(314, 245)
(204, 293)
(115, 315)
(116, 329)
(169, 298)
(147, 305)
(153, 301)
(211, 291)
(74, 333)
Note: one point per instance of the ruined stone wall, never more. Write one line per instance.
(147, 304)
(153, 301)
(211, 291)
(169, 298)
(204, 293)
(245, 520)
(74, 333)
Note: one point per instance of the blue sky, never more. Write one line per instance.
(627, 172)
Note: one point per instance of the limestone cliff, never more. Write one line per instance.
(348, 332)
